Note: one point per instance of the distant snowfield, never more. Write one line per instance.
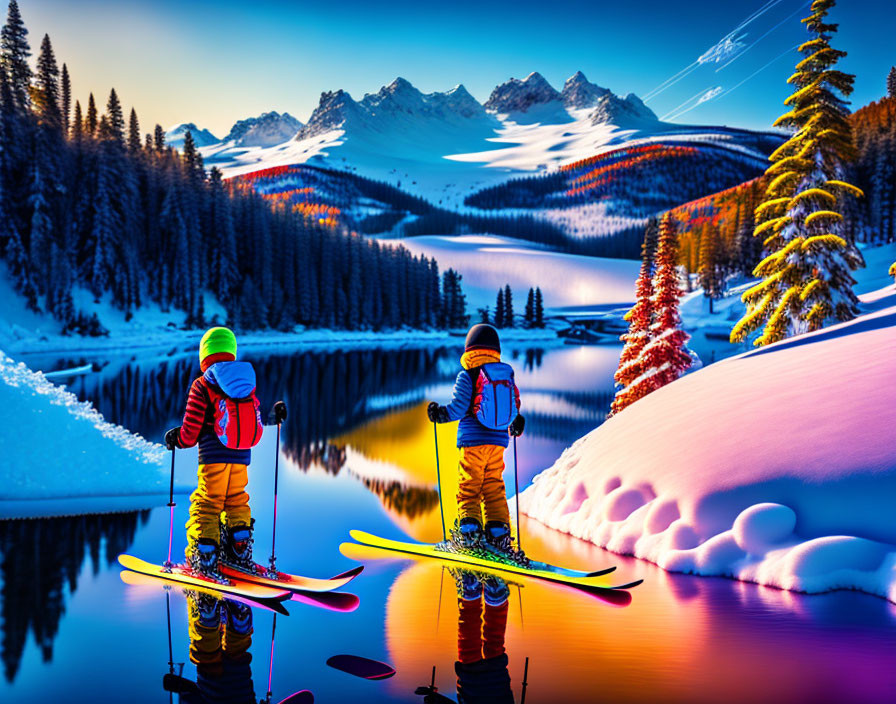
(62, 457)
(776, 467)
(567, 280)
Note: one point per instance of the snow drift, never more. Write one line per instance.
(58, 448)
(776, 467)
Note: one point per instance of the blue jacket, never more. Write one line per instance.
(470, 432)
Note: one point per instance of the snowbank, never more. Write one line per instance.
(57, 448)
(776, 467)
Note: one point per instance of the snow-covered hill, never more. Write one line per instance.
(63, 458)
(175, 136)
(776, 467)
(567, 281)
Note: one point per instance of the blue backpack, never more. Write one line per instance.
(494, 396)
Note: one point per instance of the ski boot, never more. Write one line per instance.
(205, 610)
(496, 591)
(469, 584)
(238, 618)
(204, 558)
(236, 542)
(499, 541)
(466, 536)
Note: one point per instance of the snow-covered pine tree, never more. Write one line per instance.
(640, 320)
(539, 308)
(530, 308)
(666, 356)
(499, 309)
(891, 82)
(807, 281)
(508, 307)
(14, 53)
(114, 118)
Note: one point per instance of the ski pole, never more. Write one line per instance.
(435, 434)
(276, 480)
(516, 488)
(525, 681)
(271, 668)
(171, 505)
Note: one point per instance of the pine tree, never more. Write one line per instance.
(134, 144)
(712, 275)
(539, 309)
(530, 309)
(114, 118)
(891, 82)
(14, 53)
(77, 126)
(159, 138)
(66, 100)
(47, 99)
(508, 307)
(666, 353)
(90, 122)
(807, 281)
(499, 309)
(640, 320)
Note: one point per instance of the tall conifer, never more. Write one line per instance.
(807, 280)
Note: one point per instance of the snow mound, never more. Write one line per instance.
(57, 447)
(776, 467)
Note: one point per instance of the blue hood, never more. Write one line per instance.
(236, 379)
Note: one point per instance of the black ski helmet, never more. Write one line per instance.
(482, 337)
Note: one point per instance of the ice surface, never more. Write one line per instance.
(56, 447)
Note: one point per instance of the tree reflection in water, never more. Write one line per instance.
(41, 558)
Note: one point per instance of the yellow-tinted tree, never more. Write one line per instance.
(806, 277)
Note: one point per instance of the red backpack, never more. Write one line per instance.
(237, 419)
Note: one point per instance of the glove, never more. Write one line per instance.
(172, 438)
(437, 413)
(279, 412)
(516, 428)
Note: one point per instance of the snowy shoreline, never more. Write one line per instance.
(310, 339)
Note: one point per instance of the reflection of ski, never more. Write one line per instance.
(587, 581)
(258, 592)
(141, 579)
(293, 582)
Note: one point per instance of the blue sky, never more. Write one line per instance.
(215, 62)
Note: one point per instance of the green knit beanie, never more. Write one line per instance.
(217, 341)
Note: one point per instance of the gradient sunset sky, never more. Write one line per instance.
(213, 62)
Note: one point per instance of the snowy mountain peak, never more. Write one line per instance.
(579, 92)
(334, 108)
(174, 137)
(266, 130)
(611, 109)
(519, 95)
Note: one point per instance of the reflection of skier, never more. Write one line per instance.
(220, 637)
(486, 401)
(481, 665)
(222, 416)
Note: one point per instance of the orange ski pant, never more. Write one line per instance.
(481, 484)
(220, 493)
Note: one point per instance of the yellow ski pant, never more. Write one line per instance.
(221, 490)
(481, 484)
